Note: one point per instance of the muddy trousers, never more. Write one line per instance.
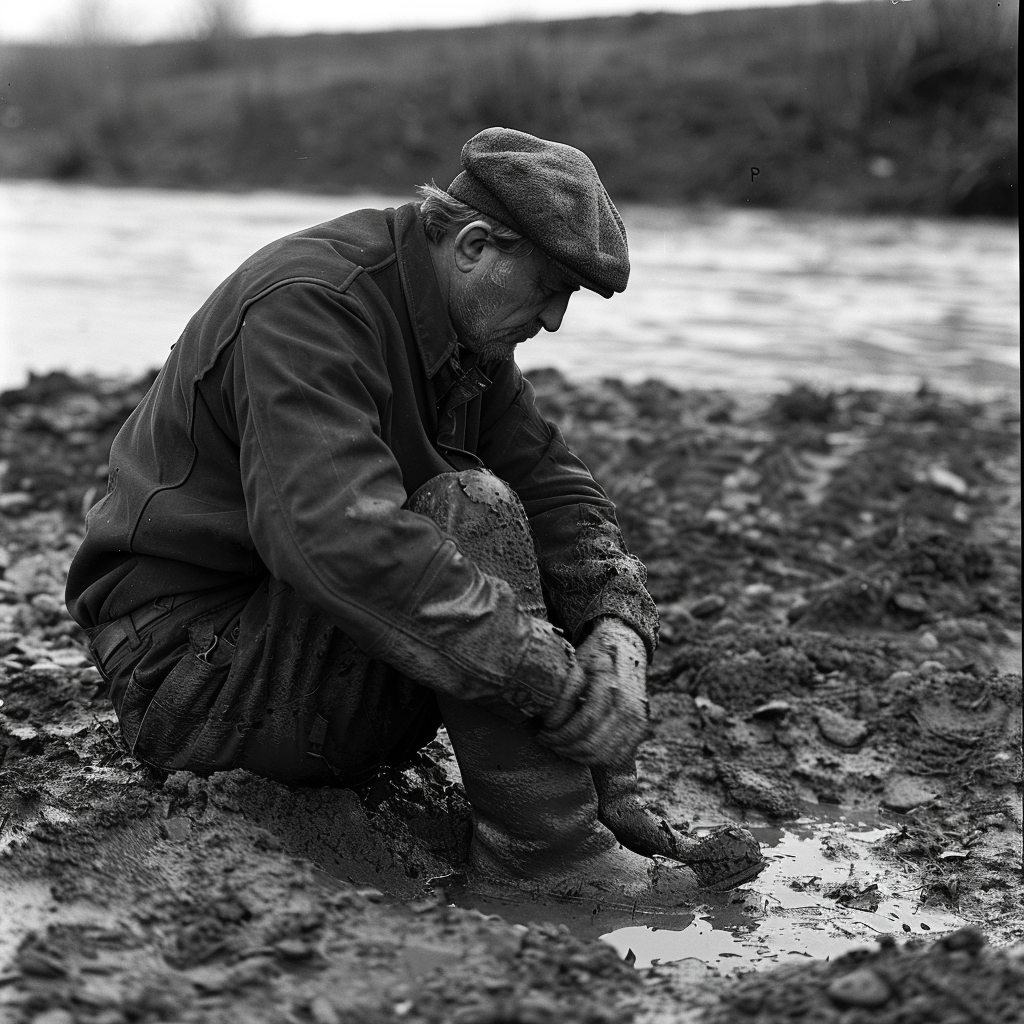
(258, 679)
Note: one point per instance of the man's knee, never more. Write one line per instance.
(465, 489)
(485, 517)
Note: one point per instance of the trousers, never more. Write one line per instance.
(253, 677)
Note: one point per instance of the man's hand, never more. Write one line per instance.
(601, 715)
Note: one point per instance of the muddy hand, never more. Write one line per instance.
(621, 809)
(723, 859)
(601, 715)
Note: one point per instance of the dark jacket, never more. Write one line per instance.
(316, 389)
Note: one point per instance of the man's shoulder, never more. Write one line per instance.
(331, 253)
(363, 238)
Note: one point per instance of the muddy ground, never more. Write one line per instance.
(839, 582)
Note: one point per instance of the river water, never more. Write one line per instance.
(104, 280)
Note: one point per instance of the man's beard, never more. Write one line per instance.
(471, 321)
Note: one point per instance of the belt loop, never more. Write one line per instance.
(134, 640)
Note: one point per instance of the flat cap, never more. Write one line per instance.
(551, 194)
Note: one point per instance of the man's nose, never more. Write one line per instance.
(553, 312)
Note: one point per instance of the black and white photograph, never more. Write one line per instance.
(510, 512)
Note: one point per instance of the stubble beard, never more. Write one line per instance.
(471, 320)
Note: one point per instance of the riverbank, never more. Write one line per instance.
(869, 107)
(838, 576)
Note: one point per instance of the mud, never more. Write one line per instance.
(839, 582)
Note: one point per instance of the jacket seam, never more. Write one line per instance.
(190, 400)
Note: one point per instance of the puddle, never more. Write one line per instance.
(823, 893)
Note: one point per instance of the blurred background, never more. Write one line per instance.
(823, 192)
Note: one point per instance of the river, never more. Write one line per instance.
(104, 279)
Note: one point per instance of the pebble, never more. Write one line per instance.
(294, 949)
(707, 606)
(840, 730)
(904, 793)
(946, 480)
(861, 988)
(927, 641)
(758, 593)
(322, 1010)
(53, 1017)
(798, 609)
(773, 709)
(930, 668)
(900, 679)
(914, 603)
(177, 828)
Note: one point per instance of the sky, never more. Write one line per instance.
(56, 20)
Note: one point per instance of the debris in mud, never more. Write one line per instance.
(839, 581)
(951, 980)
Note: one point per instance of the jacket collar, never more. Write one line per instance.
(435, 336)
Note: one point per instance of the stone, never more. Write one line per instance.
(905, 792)
(294, 949)
(758, 594)
(322, 1010)
(862, 988)
(841, 730)
(900, 678)
(798, 609)
(707, 606)
(931, 668)
(773, 709)
(927, 642)
(913, 603)
(946, 480)
(177, 828)
(53, 1017)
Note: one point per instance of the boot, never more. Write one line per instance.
(536, 824)
(725, 858)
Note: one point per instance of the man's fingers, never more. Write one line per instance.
(608, 746)
(592, 708)
(606, 727)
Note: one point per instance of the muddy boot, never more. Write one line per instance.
(725, 858)
(536, 824)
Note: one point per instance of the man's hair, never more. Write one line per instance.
(443, 213)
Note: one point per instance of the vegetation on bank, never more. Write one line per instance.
(855, 107)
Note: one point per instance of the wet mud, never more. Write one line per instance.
(838, 576)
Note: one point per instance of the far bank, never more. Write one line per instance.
(854, 107)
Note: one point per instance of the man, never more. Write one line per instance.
(338, 519)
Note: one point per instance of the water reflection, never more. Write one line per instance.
(804, 904)
(106, 279)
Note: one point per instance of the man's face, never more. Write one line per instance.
(504, 300)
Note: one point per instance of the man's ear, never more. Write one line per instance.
(470, 245)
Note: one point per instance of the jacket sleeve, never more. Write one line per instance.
(585, 567)
(324, 499)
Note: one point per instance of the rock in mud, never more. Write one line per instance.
(707, 606)
(750, 789)
(840, 730)
(904, 792)
(861, 988)
(773, 709)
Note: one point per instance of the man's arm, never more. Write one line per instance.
(324, 497)
(586, 570)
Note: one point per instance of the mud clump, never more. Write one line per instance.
(949, 981)
(838, 578)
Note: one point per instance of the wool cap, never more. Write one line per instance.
(550, 193)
